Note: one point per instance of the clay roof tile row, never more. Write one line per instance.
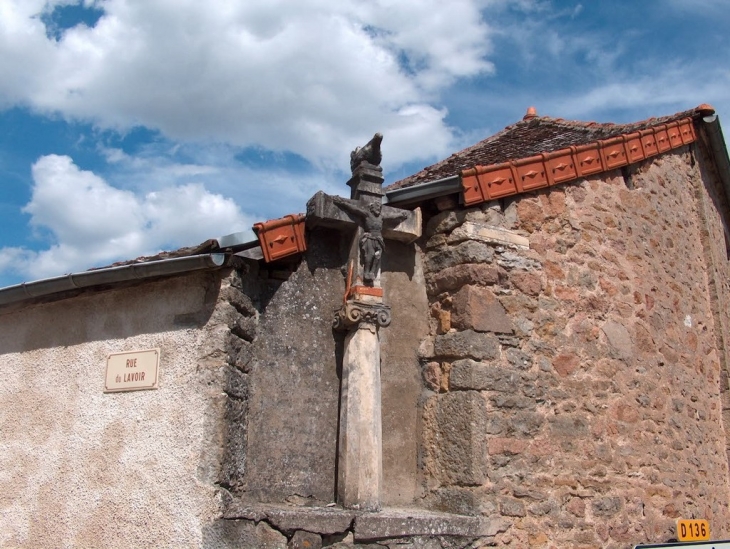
(532, 136)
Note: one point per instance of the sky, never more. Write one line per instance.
(128, 127)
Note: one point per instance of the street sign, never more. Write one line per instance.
(693, 530)
(132, 371)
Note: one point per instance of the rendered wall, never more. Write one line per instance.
(81, 468)
(575, 386)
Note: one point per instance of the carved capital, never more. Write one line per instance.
(358, 314)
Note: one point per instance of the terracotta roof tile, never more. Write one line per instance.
(531, 136)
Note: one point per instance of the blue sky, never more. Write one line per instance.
(133, 126)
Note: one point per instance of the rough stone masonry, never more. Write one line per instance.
(574, 385)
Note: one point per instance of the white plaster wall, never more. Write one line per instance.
(81, 468)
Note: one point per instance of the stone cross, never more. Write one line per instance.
(359, 460)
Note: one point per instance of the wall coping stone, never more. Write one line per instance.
(388, 523)
(489, 234)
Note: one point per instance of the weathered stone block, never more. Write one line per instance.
(469, 374)
(519, 359)
(461, 501)
(618, 339)
(305, 540)
(239, 300)
(569, 426)
(232, 534)
(445, 221)
(477, 308)
(234, 462)
(627, 413)
(512, 507)
(455, 277)
(576, 506)
(528, 283)
(542, 508)
(607, 506)
(509, 446)
(236, 383)
(512, 401)
(244, 357)
(444, 321)
(320, 520)
(512, 261)
(467, 344)
(565, 364)
(432, 375)
(489, 234)
(245, 327)
(525, 424)
(466, 252)
(459, 450)
(401, 524)
(436, 241)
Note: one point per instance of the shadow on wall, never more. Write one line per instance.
(169, 304)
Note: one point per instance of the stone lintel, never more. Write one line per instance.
(388, 523)
(489, 234)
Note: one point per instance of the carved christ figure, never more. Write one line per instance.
(371, 242)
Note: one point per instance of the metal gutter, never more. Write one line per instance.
(110, 275)
(424, 191)
(237, 242)
(713, 130)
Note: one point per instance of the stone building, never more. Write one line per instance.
(539, 361)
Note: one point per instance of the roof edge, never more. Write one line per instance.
(485, 183)
(109, 276)
(443, 169)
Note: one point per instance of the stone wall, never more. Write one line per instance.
(575, 385)
(290, 445)
(81, 468)
(284, 450)
(716, 247)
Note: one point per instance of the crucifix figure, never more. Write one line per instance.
(371, 242)
(359, 460)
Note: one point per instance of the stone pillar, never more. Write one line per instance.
(360, 461)
(360, 474)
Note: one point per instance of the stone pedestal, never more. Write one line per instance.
(360, 473)
(359, 459)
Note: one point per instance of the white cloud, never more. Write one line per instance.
(264, 190)
(661, 93)
(312, 77)
(78, 206)
(93, 223)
